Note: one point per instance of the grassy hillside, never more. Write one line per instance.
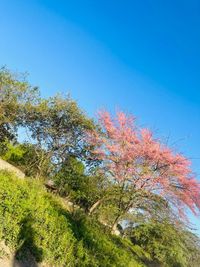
(34, 221)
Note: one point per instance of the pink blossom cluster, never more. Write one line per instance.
(132, 155)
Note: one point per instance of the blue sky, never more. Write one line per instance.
(140, 56)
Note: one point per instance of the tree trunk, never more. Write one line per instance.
(94, 206)
(114, 229)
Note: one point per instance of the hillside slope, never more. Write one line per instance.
(34, 224)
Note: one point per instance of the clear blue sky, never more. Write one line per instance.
(140, 56)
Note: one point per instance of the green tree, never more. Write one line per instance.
(74, 183)
(56, 125)
(168, 245)
(27, 157)
(16, 95)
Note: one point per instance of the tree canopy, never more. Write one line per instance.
(142, 166)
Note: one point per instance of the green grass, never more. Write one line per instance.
(34, 221)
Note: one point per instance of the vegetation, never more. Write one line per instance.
(166, 243)
(129, 192)
(142, 167)
(35, 221)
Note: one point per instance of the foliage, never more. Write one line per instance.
(27, 157)
(33, 220)
(16, 95)
(58, 126)
(69, 176)
(30, 220)
(74, 183)
(12, 153)
(166, 244)
(192, 243)
(142, 166)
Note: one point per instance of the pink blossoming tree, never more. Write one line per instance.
(138, 163)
